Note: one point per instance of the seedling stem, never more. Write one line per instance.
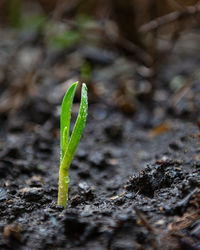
(69, 146)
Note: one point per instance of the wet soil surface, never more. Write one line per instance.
(134, 181)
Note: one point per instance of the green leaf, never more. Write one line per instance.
(77, 130)
(65, 118)
(14, 12)
(64, 40)
(86, 71)
(34, 23)
(68, 147)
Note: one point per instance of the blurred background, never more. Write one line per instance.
(132, 54)
(141, 62)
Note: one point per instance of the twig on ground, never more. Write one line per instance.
(148, 226)
(140, 55)
(170, 18)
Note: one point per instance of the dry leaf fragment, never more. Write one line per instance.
(12, 231)
(158, 130)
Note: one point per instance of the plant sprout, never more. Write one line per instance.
(68, 145)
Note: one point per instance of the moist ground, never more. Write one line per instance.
(135, 178)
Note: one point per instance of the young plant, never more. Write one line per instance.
(69, 145)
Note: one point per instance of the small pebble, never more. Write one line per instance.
(33, 194)
(3, 194)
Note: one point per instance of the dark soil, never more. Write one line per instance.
(135, 178)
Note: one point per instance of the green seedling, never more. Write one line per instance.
(68, 145)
